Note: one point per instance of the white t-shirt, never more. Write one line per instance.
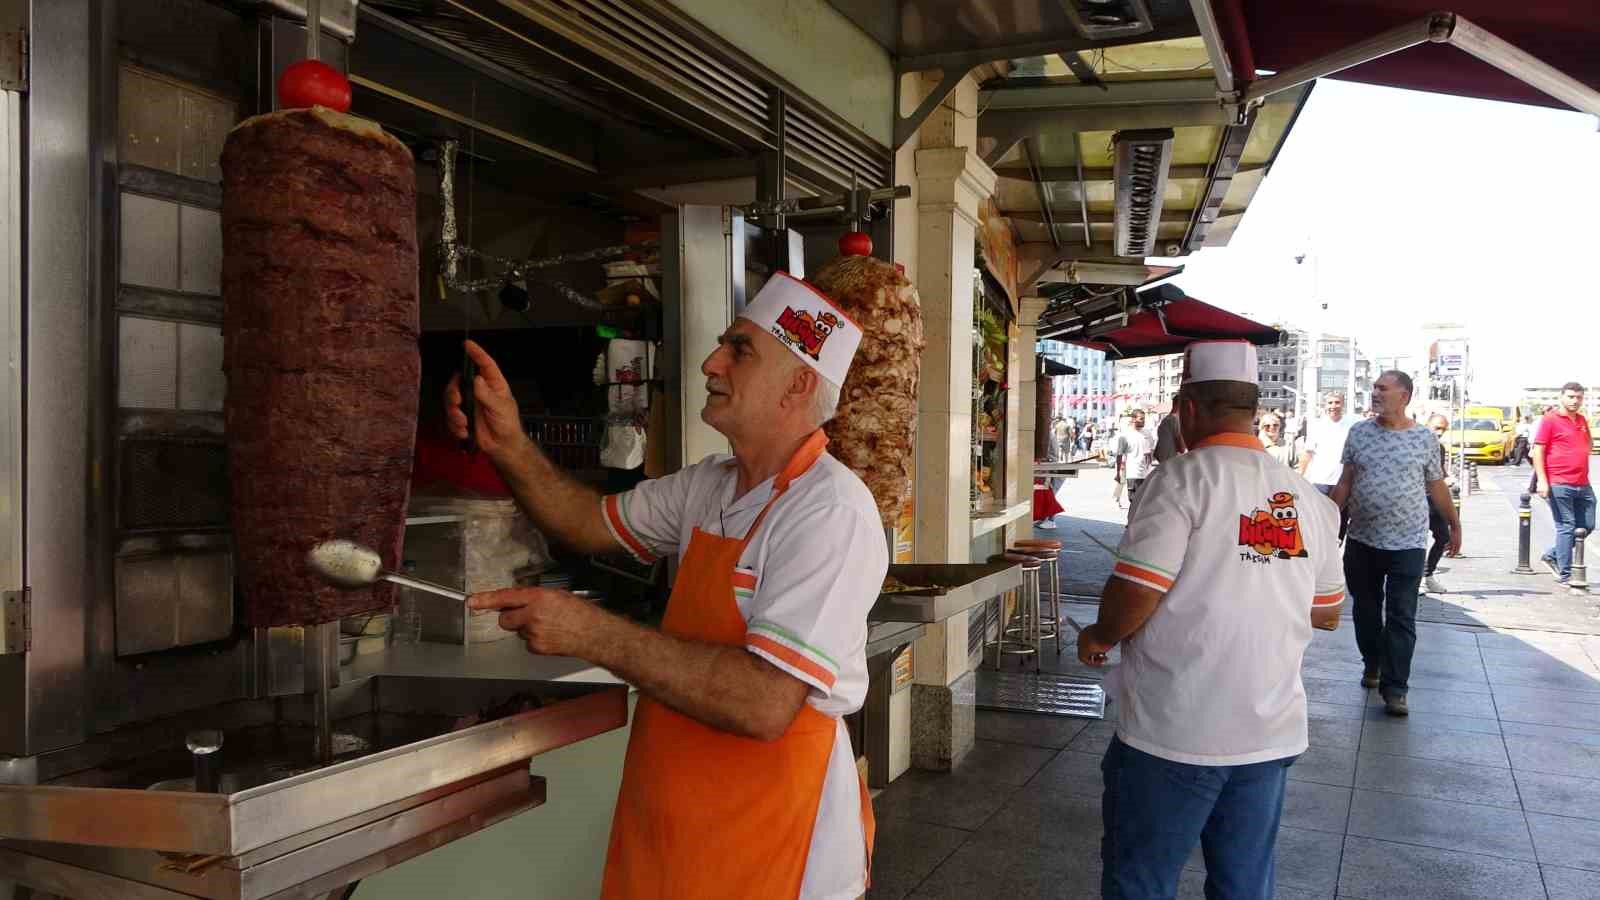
(1212, 678)
(1325, 440)
(804, 585)
(1138, 451)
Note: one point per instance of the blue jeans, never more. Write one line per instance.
(1572, 505)
(1383, 591)
(1156, 810)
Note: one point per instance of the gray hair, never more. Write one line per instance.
(824, 401)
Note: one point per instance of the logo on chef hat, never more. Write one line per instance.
(803, 332)
(803, 319)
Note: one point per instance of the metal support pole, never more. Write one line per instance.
(1579, 582)
(321, 677)
(1524, 536)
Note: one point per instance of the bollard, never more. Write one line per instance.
(1472, 477)
(1524, 536)
(1579, 582)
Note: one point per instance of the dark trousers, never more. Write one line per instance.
(1519, 452)
(1441, 537)
(1155, 811)
(1383, 584)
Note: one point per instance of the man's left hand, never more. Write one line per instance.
(1093, 650)
(1455, 539)
(549, 622)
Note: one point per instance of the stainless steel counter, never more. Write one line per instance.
(507, 659)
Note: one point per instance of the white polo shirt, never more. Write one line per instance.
(805, 583)
(1241, 548)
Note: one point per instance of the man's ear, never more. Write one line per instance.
(801, 385)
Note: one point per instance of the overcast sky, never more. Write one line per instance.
(1419, 208)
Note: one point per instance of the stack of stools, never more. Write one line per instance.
(1047, 552)
(1022, 636)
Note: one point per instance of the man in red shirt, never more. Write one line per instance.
(1561, 466)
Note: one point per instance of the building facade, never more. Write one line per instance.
(1085, 396)
(1278, 368)
(1148, 384)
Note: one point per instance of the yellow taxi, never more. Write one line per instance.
(1485, 433)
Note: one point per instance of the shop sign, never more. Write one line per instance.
(902, 668)
(1452, 358)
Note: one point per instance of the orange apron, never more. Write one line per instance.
(703, 813)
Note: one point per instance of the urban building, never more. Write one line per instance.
(1085, 396)
(1278, 368)
(1148, 384)
(1337, 365)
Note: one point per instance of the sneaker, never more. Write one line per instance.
(1369, 679)
(1431, 585)
(1046, 525)
(1550, 563)
(1395, 705)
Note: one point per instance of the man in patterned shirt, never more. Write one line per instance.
(1391, 469)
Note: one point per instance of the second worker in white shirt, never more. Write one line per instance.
(1229, 560)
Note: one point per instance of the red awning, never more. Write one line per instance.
(1172, 323)
(1276, 35)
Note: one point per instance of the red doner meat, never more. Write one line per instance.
(319, 284)
(877, 421)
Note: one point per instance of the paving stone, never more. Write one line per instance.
(941, 798)
(1436, 779)
(1070, 774)
(1344, 733)
(1560, 713)
(1560, 795)
(1011, 764)
(1431, 721)
(1316, 807)
(1094, 739)
(906, 853)
(1427, 743)
(1570, 884)
(1444, 824)
(1553, 676)
(1574, 843)
(1318, 710)
(1514, 694)
(1552, 756)
(1451, 703)
(1028, 728)
(1070, 824)
(1000, 866)
(1587, 738)
(1325, 765)
(1345, 692)
(1382, 870)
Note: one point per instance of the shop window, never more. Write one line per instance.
(990, 350)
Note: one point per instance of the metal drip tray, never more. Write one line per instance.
(1040, 692)
(943, 590)
(401, 737)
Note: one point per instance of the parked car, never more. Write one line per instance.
(1484, 434)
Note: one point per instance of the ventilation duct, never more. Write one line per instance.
(1143, 158)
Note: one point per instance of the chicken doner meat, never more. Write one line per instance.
(320, 325)
(877, 420)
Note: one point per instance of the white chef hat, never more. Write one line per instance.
(803, 319)
(1220, 361)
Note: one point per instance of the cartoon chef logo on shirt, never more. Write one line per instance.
(1274, 531)
(799, 327)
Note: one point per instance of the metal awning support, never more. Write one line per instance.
(1043, 192)
(1437, 28)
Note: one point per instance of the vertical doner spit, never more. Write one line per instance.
(320, 334)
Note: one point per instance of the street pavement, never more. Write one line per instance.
(1490, 789)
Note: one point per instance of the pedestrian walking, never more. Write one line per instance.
(1227, 549)
(1271, 437)
(1135, 450)
(1321, 462)
(1561, 448)
(1392, 466)
(1522, 445)
(1438, 523)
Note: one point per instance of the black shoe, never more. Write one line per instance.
(1395, 705)
(1369, 679)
